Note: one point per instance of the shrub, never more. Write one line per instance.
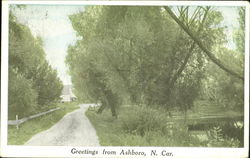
(216, 139)
(144, 126)
(143, 119)
(233, 131)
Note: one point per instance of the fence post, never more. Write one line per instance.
(17, 122)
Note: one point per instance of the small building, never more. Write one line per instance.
(67, 94)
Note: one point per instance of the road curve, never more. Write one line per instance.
(74, 129)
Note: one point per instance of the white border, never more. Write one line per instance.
(4, 75)
(55, 151)
(142, 3)
(246, 82)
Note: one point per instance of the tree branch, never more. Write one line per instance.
(190, 52)
(202, 47)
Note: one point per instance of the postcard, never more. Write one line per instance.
(125, 79)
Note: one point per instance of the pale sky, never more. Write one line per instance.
(52, 24)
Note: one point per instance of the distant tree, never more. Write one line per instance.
(224, 88)
(239, 35)
(47, 84)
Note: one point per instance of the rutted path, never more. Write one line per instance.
(74, 129)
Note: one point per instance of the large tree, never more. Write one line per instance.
(141, 55)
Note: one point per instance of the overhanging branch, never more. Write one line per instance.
(190, 52)
(202, 47)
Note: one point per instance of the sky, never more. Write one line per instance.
(52, 24)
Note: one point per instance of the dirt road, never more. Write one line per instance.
(74, 129)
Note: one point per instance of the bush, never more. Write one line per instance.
(153, 128)
(144, 126)
(232, 131)
(216, 139)
(141, 120)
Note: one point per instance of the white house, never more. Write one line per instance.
(67, 94)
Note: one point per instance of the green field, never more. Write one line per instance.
(39, 124)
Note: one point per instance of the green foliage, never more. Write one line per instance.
(22, 97)
(234, 131)
(140, 56)
(221, 88)
(39, 124)
(239, 35)
(136, 58)
(143, 126)
(33, 85)
(47, 84)
(142, 120)
(216, 139)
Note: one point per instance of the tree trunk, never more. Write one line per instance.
(102, 107)
(113, 110)
(110, 100)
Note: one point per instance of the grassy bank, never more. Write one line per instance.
(140, 126)
(36, 125)
(137, 126)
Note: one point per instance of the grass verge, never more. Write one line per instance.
(143, 126)
(137, 126)
(36, 125)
